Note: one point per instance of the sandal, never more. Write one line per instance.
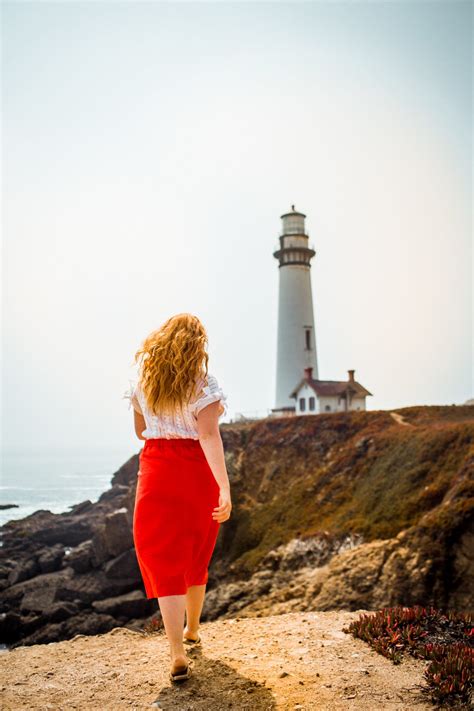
(192, 642)
(182, 674)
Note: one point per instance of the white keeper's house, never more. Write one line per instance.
(316, 396)
(297, 391)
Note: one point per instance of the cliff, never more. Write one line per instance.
(331, 512)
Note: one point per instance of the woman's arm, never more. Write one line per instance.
(211, 443)
(140, 424)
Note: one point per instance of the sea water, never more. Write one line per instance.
(56, 478)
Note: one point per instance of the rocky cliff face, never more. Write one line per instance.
(338, 511)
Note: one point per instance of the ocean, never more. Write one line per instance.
(55, 478)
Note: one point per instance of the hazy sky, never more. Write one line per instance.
(149, 150)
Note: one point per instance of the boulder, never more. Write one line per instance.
(350, 580)
(51, 559)
(6, 566)
(116, 495)
(127, 472)
(61, 610)
(23, 571)
(118, 534)
(313, 551)
(112, 537)
(132, 604)
(463, 571)
(37, 594)
(83, 507)
(100, 551)
(124, 566)
(94, 585)
(80, 557)
(13, 625)
(9, 626)
(87, 623)
(46, 528)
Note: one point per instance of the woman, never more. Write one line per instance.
(183, 491)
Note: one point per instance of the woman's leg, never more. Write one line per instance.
(194, 603)
(172, 611)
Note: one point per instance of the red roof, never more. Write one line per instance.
(332, 387)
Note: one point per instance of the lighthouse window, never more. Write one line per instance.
(308, 339)
(311, 403)
(302, 404)
(294, 224)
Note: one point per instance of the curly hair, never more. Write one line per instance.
(171, 360)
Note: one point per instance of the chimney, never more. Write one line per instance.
(351, 375)
(308, 373)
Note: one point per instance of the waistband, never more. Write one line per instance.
(171, 443)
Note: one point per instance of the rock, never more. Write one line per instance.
(133, 604)
(124, 566)
(24, 571)
(40, 592)
(220, 599)
(14, 626)
(51, 559)
(463, 571)
(313, 551)
(100, 551)
(118, 491)
(6, 566)
(113, 537)
(93, 585)
(9, 626)
(54, 566)
(127, 473)
(118, 533)
(30, 623)
(359, 569)
(83, 507)
(46, 528)
(61, 610)
(86, 623)
(80, 557)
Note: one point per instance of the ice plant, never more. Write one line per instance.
(445, 639)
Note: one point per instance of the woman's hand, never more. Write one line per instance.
(222, 512)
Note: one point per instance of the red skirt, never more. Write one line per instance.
(173, 529)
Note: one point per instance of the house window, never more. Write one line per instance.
(328, 408)
(308, 339)
(302, 404)
(312, 403)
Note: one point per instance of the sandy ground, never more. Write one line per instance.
(293, 661)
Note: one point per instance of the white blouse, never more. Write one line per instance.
(177, 425)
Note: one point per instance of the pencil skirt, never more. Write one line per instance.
(173, 529)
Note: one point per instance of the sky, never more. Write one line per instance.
(148, 151)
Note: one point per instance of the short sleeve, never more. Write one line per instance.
(211, 392)
(131, 395)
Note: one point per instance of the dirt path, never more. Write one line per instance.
(400, 419)
(294, 661)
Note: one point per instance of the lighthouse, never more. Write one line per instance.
(296, 341)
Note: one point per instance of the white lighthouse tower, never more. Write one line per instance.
(296, 348)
